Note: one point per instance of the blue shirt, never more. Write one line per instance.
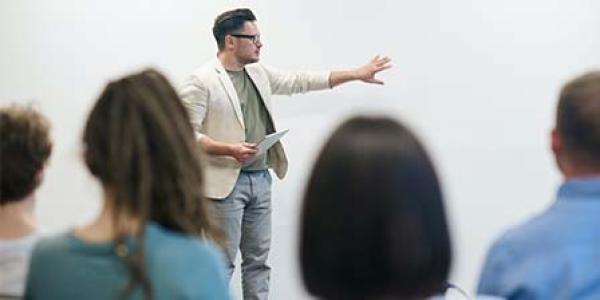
(555, 255)
(178, 265)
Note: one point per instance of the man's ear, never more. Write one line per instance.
(229, 42)
(556, 142)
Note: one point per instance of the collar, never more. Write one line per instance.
(587, 188)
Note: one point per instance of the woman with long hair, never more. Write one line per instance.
(154, 238)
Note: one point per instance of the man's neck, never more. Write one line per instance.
(582, 175)
(17, 220)
(573, 170)
(229, 62)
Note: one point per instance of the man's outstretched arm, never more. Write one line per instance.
(365, 73)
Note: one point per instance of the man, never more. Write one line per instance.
(24, 149)
(229, 101)
(556, 255)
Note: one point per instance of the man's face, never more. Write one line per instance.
(247, 43)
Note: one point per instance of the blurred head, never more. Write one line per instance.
(24, 149)
(373, 223)
(237, 35)
(576, 138)
(140, 145)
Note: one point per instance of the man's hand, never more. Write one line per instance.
(367, 72)
(242, 151)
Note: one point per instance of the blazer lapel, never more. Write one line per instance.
(230, 89)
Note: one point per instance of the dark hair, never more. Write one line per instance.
(25, 147)
(230, 22)
(140, 145)
(373, 221)
(578, 118)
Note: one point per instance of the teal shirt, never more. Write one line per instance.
(255, 114)
(178, 265)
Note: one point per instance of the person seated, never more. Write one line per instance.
(25, 147)
(154, 238)
(373, 222)
(556, 254)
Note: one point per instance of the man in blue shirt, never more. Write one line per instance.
(556, 255)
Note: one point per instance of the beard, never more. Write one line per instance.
(248, 57)
(250, 60)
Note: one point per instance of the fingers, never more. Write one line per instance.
(248, 151)
(244, 151)
(381, 68)
(245, 155)
(380, 64)
(249, 145)
(383, 62)
(378, 60)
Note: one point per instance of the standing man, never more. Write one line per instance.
(229, 101)
(556, 255)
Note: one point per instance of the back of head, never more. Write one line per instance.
(373, 220)
(140, 145)
(578, 120)
(230, 22)
(25, 148)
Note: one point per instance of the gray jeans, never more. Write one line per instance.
(245, 216)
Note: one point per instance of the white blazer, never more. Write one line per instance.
(214, 109)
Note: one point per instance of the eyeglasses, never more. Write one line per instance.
(255, 38)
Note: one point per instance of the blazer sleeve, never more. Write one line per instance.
(194, 96)
(290, 82)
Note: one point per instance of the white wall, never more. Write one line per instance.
(476, 79)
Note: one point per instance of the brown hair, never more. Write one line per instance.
(578, 118)
(25, 148)
(140, 145)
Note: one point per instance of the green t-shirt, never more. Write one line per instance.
(255, 114)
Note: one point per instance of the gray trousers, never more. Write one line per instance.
(245, 217)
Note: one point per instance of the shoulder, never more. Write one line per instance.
(183, 261)
(202, 75)
(17, 245)
(204, 71)
(260, 69)
(50, 250)
(528, 235)
(178, 246)
(509, 251)
(48, 254)
(256, 67)
(209, 70)
(52, 244)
